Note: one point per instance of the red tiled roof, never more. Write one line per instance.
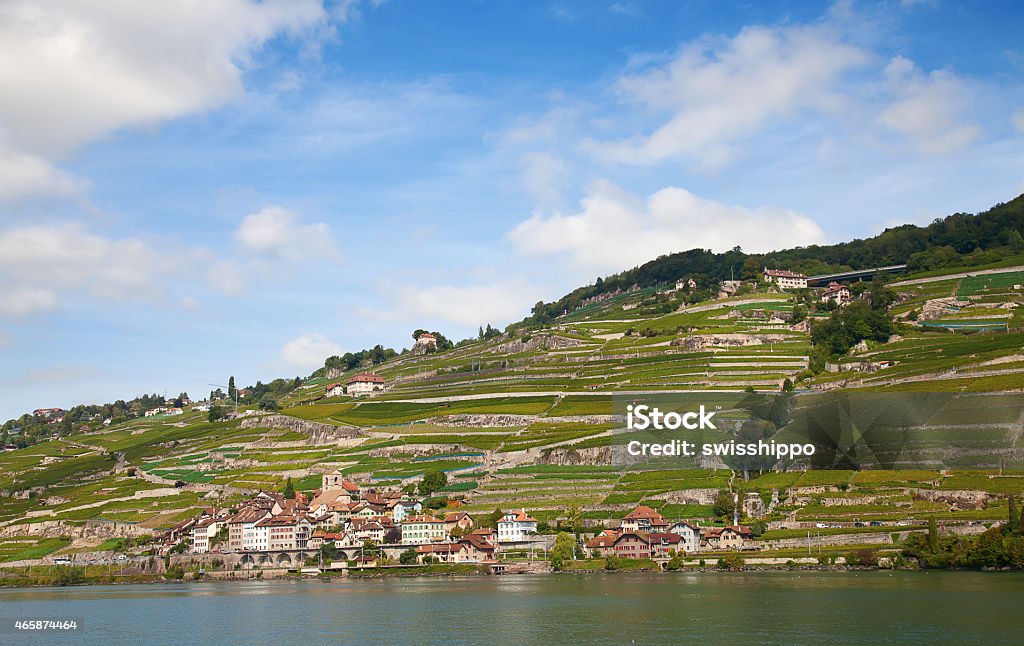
(782, 273)
(366, 377)
(421, 518)
(643, 511)
(522, 517)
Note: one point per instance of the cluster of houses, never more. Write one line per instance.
(50, 415)
(343, 516)
(365, 383)
(644, 533)
(834, 292)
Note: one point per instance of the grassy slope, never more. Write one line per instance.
(78, 482)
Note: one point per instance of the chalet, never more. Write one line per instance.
(478, 548)
(420, 529)
(643, 519)
(733, 537)
(646, 545)
(785, 279)
(405, 508)
(688, 534)
(459, 519)
(516, 526)
(334, 390)
(838, 294)
(443, 552)
(365, 383)
(602, 544)
(365, 529)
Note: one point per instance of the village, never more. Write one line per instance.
(344, 526)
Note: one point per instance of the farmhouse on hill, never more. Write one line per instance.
(365, 383)
(334, 390)
(838, 294)
(426, 340)
(785, 279)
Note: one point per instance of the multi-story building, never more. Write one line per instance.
(516, 526)
(785, 279)
(424, 528)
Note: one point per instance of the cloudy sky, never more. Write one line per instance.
(191, 189)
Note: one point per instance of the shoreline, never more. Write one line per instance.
(377, 574)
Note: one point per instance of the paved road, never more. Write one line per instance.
(964, 274)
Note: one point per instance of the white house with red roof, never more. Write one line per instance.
(838, 294)
(365, 383)
(426, 340)
(689, 535)
(516, 526)
(643, 519)
(334, 390)
(785, 279)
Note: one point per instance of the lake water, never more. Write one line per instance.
(739, 608)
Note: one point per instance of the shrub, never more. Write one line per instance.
(731, 561)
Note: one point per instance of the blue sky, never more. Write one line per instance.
(194, 190)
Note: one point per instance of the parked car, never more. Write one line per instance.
(859, 524)
(122, 557)
(875, 523)
(821, 525)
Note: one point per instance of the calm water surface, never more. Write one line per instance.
(751, 608)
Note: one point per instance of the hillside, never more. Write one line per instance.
(524, 418)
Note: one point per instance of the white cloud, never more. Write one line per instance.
(40, 265)
(1018, 120)
(470, 306)
(615, 230)
(544, 176)
(307, 352)
(275, 233)
(72, 71)
(22, 174)
(717, 91)
(926, 108)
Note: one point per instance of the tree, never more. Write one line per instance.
(231, 387)
(725, 505)
(493, 518)
(432, 481)
(731, 561)
(289, 489)
(408, 557)
(563, 550)
(1013, 520)
(675, 562)
(933, 536)
(216, 413)
(751, 269)
(574, 519)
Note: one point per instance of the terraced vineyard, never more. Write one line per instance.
(525, 420)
